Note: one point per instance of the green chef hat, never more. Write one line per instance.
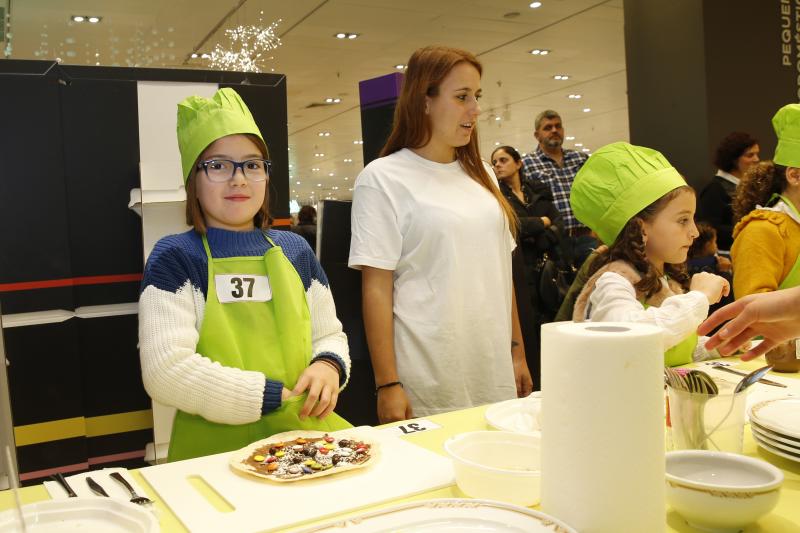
(201, 121)
(616, 183)
(787, 127)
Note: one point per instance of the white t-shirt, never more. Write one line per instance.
(448, 243)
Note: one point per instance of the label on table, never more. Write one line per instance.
(412, 427)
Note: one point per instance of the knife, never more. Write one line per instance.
(96, 488)
(59, 477)
(765, 381)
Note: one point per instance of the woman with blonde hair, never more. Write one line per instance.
(433, 237)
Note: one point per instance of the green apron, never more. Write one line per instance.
(272, 337)
(792, 279)
(683, 352)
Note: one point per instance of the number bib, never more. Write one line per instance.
(233, 288)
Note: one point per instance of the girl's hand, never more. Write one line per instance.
(724, 264)
(321, 380)
(713, 286)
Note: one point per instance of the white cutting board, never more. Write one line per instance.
(403, 469)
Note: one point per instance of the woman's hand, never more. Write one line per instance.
(713, 286)
(724, 264)
(393, 405)
(321, 380)
(522, 377)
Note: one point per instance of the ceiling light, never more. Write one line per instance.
(497, 143)
(194, 56)
(298, 182)
(341, 35)
(330, 174)
(560, 77)
(358, 142)
(319, 185)
(539, 52)
(347, 160)
(578, 145)
(352, 36)
(535, 5)
(314, 169)
(570, 138)
(574, 97)
(587, 109)
(350, 189)
(78, 18)
(399, 66)
(94, 20)
(346, 178)
(335, 188)
(586, 150)
(497, 118)
(324, 134)
(319, 155)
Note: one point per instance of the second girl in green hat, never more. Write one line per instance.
(643, 209)
(237, 325)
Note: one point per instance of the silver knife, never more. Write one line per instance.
(765, 381)
(96, 488)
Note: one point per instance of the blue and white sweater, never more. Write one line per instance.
(171, 306)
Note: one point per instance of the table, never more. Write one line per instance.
(784, 518)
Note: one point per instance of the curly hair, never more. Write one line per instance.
(758, 184)
(629, 247)
(731, 148)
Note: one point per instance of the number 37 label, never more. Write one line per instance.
(242, 288)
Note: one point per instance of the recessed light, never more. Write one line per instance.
(570, 138)
(319, 185)
(330, 174)
(561, 77)
(399, 66)
(324, 134)
(294, 190)
(78, 18)
(341, 35)
(319, 155)
(498, 119)
(587, 109)
(346, 178)
(205, 56)
(94, 20)
(350, 189)
(298, 182)
(352, 36)
(578, 144)
(574, 96)
(586, 150)
(535, 5)
(315, 170)
(497, 143)
(539, 52)
(348, 160)
(358, 142)
(194, 56)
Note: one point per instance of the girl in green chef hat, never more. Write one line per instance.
(237, 325)
(643, 209)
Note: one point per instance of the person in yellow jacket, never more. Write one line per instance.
(237, 325)
(638, 204)
(766, 246)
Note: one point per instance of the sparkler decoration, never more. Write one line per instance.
(246, 48)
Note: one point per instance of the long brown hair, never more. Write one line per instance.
(412, 128)
(758, 184)
(629, 246)
(194, 211)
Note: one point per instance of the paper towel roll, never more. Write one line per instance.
(603, 426)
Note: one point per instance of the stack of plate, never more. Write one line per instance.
(776, 426)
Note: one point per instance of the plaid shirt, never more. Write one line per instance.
(538, 166)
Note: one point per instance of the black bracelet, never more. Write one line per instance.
(385, 385)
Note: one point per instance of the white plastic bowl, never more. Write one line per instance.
(522, 415)
(719, 491)
(497, 465)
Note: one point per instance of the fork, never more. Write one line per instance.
(135, 498)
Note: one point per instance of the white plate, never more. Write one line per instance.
(449, 516)
(781, 416)
(776, 451)
(518, 416)
(789, 441)
(81, 514)
(766, 439)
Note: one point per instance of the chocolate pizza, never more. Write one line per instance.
(301, 455)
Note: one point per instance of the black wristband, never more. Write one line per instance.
(386, 385)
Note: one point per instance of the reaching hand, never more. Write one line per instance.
(322, 382)
(774, 315)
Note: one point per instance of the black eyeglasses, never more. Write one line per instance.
(222, 170)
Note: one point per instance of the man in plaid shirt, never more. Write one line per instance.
(555, 166)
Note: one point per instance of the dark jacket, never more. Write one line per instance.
(533, 237)
(714, 207)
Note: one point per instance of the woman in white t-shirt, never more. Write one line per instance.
(433, 237)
